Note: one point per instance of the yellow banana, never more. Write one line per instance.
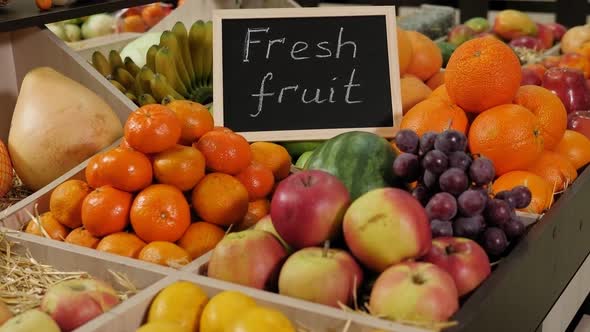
(208, 53)
(146, 99)
(144, 77)
(115, 60)
(124, 77)
(165, 65)
(131, 96)
(168, 40)
(161, 88)
(118, 86)
(131, 67)
(182, 36)
(195, 40)
(101, 64)
(150, 59)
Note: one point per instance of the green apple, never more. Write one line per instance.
(31, 320)
(303, 159)
(296, 149)
(265, 224)
(478, 24)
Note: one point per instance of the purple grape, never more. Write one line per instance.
(460, 159)
(482, 171)
(472, 202)
(513, 228)
(497, 212)
(440, 228)
(494, 241)
(435, 161)
(450, 140)
(427, 141)
(407, 167)
(522, 196)
(442, 206)
(421, 194)
(407, 141)
(469, 227)
(506, 196)
(454, 181)
(430, 180)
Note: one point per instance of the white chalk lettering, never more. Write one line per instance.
(293, 50)
(282, 41)
(291, 87)
(316, 99)
(340, 44)
(327, 55)
(261, 94)
(248, 41)
(331, 99)
(348, 87)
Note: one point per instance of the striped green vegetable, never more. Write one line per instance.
(361, 160)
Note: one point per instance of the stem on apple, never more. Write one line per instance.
(326, 248)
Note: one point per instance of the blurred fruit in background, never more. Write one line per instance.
(142, 18)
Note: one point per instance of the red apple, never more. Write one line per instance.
(551, 61)
(386, 226)
(545, 35)
(460, 34)
(463, 259)
(321, 275)
(576, 61)
(530, 77)
(487, 34)
(529, 42)
(265, 224)
(580, 122)
(72, 303)
(251, 258)
(570, 86)
(414, 291)
(307, 208)
(29, 321)
(557, 29)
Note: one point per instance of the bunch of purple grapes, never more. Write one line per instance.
(454, 189)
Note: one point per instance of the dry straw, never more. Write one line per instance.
(15, 195)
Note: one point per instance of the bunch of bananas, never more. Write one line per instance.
(179, 67)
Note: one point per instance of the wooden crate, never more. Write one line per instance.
(315, 318)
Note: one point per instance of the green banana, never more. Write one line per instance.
(165, 65)
(146, 99)
(161, 88)
(144, 77)
(196, 37)
(131, 67)
(168, 40)
(208, 53)
(151, 57)
(125, 78)
(118, 86)
(115, 60)
(101, 64)
(182, 36)
(132, 97)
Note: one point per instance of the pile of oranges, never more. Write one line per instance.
(170, 191)
(522, 129)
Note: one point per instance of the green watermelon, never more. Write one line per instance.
(362, 161)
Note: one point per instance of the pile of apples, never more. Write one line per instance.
(319, 245)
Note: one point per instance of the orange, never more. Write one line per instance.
(272, 156)
(575, 147)
(122, 244)
(160, 213)
(413, 91)
(164, 253)
(153, 13)
(65, 202)
(225, 152)
(441, 92)
(404, 50)
(106, 211)
(180, 166)
(436, 80)
(220, 199)
(82, 237)
(6, 173)
(222, 129)
(509, 135)
(548, 109)
(125, 145)
(195, 118)
(200, 238)
(54, 229)
(541, 190)
(584, 50)
(133, 23)
(121, 168)
(575, 61)
(426, 56)
(434, 114)
(482, 73)
(256, 211)
(152, 128)
(258, 181)
(555, 169)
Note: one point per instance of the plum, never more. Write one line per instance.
(570, 86)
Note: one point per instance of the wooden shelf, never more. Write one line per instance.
(19, 14)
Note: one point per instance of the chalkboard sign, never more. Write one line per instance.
(306, 73)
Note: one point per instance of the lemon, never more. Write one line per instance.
(162, 326)
(222, 309)
(181, 302)
(261, 319)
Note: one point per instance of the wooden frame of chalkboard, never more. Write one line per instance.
(388, 100)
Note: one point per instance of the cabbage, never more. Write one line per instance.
(137, 49)
(98, 25)
(73, 32)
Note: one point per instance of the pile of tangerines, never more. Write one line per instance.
(522, 129)
(170, 191)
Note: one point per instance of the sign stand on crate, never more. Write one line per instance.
(306, 73)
